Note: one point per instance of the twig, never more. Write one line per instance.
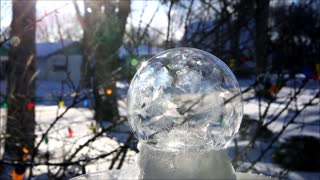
(265, 150)
(246, 149)
(169, 23)
(94, 138)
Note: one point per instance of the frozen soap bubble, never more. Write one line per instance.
(185, 99)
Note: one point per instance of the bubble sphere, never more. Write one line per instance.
(185, 99)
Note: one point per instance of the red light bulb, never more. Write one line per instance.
(30, 105)
(70, 132)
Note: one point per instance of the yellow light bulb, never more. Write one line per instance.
(61, 103)
(108, 91)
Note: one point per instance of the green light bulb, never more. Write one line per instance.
(134, 62)
(5, 105)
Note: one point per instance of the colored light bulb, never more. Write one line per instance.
(85, 102)
(61, 103)
(92, 128)
(134, 62)
(30, 105)
(25, 150)
(17, 176)
(5, 105)
(273, 89)
(70, 132)
(108, 91)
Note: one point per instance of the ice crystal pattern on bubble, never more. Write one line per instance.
(185, 99)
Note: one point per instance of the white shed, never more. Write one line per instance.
(56, 60)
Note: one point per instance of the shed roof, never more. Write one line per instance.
(43, 49)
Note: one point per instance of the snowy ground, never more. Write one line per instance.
(60, 145)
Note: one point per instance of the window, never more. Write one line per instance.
(59, 68)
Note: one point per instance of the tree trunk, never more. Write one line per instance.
(261, 38)
(108, 40)
(89, 27)
(85, 71)
(21, 80)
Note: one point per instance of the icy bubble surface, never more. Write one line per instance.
(185, 99)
